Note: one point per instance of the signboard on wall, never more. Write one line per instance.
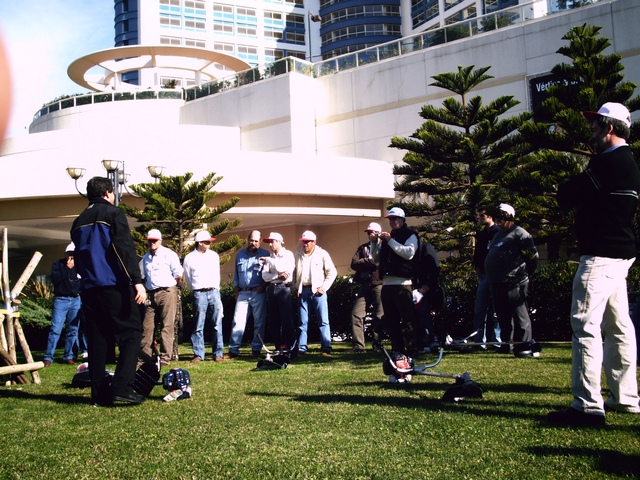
(538, 90)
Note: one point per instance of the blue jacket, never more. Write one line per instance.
(105, 255)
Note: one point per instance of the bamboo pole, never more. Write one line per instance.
(25, 367)
(17, 377)
(17, 290)
(11, 340)
(25, 348)
(26, 274)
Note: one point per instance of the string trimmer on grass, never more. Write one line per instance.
(401, 370)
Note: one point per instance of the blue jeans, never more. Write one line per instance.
(207, 306)
(248, 302)
(308, 298)
(484, 318)
(66, 312)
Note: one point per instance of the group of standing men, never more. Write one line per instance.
(264, 283)
(388, 268)
(124, 298)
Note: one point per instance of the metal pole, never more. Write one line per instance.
(309, 33)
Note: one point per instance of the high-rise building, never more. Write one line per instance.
(257, 32)
(262, 31)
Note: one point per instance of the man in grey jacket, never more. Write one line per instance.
(511, 258)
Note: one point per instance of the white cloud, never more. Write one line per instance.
(42, 38)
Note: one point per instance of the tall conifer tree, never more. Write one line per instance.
(455, 160)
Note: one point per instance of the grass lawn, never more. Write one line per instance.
(320, 418)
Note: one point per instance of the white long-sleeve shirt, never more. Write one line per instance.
(202, 270)
(274, 265)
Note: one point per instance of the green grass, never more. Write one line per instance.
(320, 418)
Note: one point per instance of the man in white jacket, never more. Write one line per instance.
(313, 276)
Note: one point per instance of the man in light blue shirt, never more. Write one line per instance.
(162, 274)
(250, 295)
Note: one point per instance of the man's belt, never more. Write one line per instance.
(204, 289)
(159, 289)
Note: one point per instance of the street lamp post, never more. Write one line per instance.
(311, 18)
(115, 173)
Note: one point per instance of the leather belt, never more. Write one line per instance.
(204, 289)
(159, 289)
(248, 289)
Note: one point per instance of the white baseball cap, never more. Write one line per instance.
(308, 235)
(274, 236)
(374, 227)
(204, 236)
(70, 248)
(611, 110)
(507, 210)
(154, 234)
(396, 212)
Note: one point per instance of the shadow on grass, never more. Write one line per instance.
(51, 397)
(609, 461)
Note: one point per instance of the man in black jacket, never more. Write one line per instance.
(396, 251)
(112, 291)
(369, 292)
(604, 198)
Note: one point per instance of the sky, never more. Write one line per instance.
(42, 38)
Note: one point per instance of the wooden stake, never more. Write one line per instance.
(11, 340)
(25, 348)
(26, 274)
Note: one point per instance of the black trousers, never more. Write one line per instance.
(112, 314)
(511, 308)
(399, 317)
(280, 315)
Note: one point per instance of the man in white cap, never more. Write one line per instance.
(277, 272)
(369, 293)
(604, 198)
(250, 295)
(202, 275)
(66, 308)
(313, 276)
(162, 274)
(395, 256)
(511, 259)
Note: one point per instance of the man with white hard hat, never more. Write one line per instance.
(604, 199)
(395, 256)
(202, 275)
(162, 274)
(313, 276)
(66, 308)
(370, 290)
(511, 259)
(277, 272)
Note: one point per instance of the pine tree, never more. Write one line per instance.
(177, 206)
(560, 137)
(456, 158)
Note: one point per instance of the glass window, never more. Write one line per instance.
(224, 28)
(170, 40)
(170, 21)
(224, 47)
(244, 30)
(194, 23)
(297, 38)
(294, 20)
(191, 42)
